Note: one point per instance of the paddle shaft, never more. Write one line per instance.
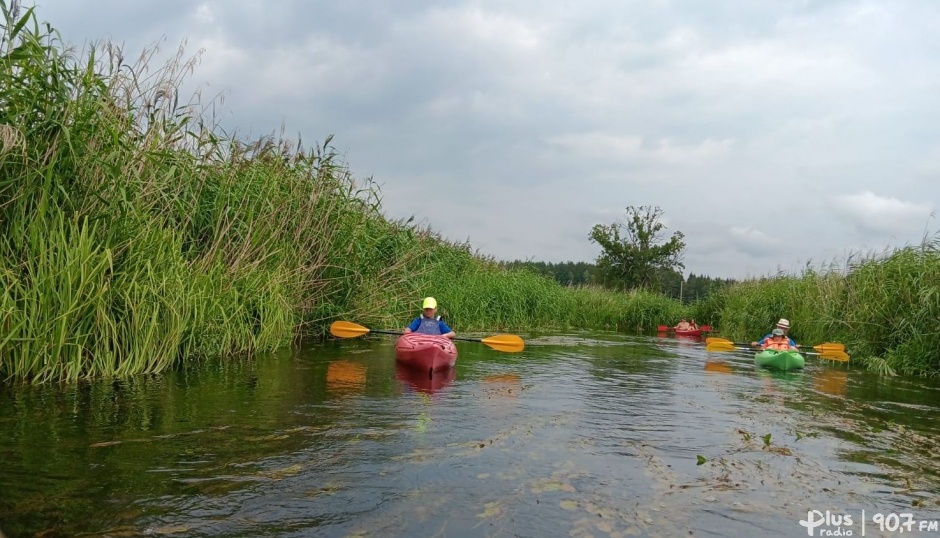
(509, 343)
(829, 355)
(463, 339)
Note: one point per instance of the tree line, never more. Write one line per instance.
(634, 255)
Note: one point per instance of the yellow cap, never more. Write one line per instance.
(429, 302)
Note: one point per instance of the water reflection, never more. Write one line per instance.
(832, 381)
(583, 434)
(419, 380)
(717, 366)
(345, 376)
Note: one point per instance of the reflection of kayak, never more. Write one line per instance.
(781, 360)
(425, 352)
(421, 381)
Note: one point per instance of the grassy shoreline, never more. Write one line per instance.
(135, 234)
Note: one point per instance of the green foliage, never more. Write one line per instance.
(134, 234)
(565, 273)
(693, 289)
(633, 252)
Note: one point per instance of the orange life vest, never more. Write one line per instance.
(782, 345)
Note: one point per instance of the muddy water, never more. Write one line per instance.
(582, 434)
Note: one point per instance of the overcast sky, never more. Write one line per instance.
(771, 134)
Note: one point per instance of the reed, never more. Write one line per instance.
(134, 233)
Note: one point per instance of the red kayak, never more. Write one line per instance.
(693, 332)
(425, 352)
(421, 381)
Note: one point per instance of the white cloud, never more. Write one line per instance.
(753, 242)
(628, 148)
(870, 213)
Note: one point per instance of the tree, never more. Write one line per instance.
(634, 255)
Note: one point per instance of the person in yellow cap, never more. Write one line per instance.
(429, 322)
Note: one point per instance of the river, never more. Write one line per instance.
(582, 434)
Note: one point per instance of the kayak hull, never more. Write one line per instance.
(694, 332)
(425, 352)
(780, 360)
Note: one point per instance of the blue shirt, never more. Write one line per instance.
(441, 326)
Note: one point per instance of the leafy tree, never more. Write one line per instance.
(634, 254)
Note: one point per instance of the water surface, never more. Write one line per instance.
(582, 434)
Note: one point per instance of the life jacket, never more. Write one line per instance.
(782, 345)
(429, 325)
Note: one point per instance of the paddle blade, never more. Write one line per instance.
(829, 346)
(510, 343)
(347, 329)
(841, 356)
(716, 340)
(663, 328)
(720, 346)
(706, 328)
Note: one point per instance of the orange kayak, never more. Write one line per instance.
(425, 352)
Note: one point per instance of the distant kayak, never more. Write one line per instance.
(425, 352)
(781, 360)
(692, 332)
(686, 332)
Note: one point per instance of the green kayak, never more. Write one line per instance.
(781, 360)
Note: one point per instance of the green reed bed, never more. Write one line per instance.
(477, 294)
(134, 233)
(885, 308)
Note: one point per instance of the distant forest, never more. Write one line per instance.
(671, 283)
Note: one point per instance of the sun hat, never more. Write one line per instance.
(778, 332)
(785, 323)
(429, 302)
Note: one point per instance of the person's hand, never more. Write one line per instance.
(753, 344)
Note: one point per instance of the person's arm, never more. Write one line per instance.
(413, 326)
(760, 343)
(446, 331)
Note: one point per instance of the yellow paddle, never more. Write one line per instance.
(822, 348)
(510, 343)
(831, 354)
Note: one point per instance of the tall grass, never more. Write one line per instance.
(134, 232)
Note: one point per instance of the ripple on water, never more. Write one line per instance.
(582, 434)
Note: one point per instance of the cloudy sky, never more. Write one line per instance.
(772, 134)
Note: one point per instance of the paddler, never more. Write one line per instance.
(429, 322)
(779, 341)
(784, 325)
